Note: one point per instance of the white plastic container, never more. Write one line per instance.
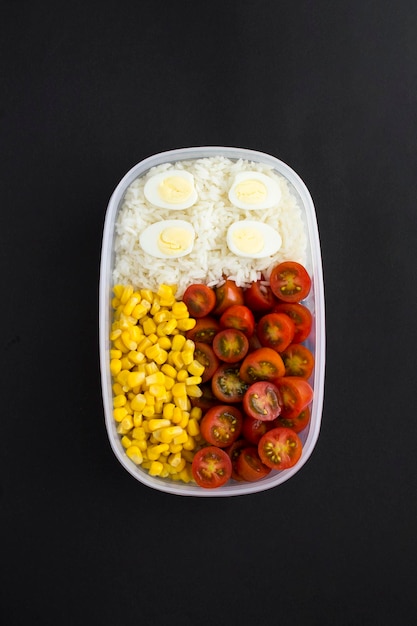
(315, 302)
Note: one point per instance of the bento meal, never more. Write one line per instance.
(211, 359)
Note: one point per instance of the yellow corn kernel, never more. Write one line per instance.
(126, 363)
(135, 379)
(119, 345)
(196, 413)
(146, 294)
(117, 389)
(151, 368)
(179, 310)
(186, 324)
(195, 368)
(136, 357)
(190, 444)
(119, 414)
(130, 305)
(168, 434)
(193, 427)
(166, 291)
(122, 377)
(193, 380)
(118, 290)
(139, 433)
(116, 354)
(159, 392)
(126, 441)
(169, 383)
(115, 303)
(178, 342)
(168, 411)
(155, 424)
(153, 352)
(149, 326)
(136, 332)
(170, 325)
(115, 334)
(183, 403)
(175, 447)
(184, 419)
(126, 294)
(176, 415)
(178, 390)
(176, 359)
(148, 411)
(176, 460)
(115, 366)
(141, 444)
(169, 370)
(150, 399)
(182, 438)
(138, 403)
(157, 378)
(128, 341)
(163, 315)
(137, 418)
(154, 452)
(182, 376)
(156, 468)
(155, 308)
(164, 342)
(186, 475)
(194, 391)
(125, 425)
(134, 454)
(119, 400)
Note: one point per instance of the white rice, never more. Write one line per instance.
(211, 261)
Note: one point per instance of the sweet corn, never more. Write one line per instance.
(154, 452)
(164, 342)
(115, 366)
(179, 310)
(119, 401)
(178, 342)
(193, 427)
(186, 324)
(156, 468)
(195, 368)
(134, 454)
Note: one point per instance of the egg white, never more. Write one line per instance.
(153, 196)
(273, 190)
(271, 239)
(148, 239)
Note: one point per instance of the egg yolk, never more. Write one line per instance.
(175, 189)
(173, 240)
(248, 241)
(251, 191)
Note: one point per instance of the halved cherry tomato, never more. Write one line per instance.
(261, 364)
(204, 330)
(295, 395)
(262, 402)
(297, 424)
(280, 448)
(227, 295)
(199, 299)
(221, 425)
(234, 451)
(298, 360)
(211, 467)
(249, 465)
(259, 297)
(301, 317)
(207, 399)
(253, 429)
(290, 281)
(230, 345)
(276, 331)
(204, 354)
(240, 317)
(226, 383)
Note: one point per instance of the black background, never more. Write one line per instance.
(89, 90)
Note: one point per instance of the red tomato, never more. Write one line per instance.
(240, 317)
(234, 451)
(290, 281)
(295, 395)
(259, 297)
(207, 400)
(204, 354)
(221, 425)
(199, 299)
(301, 317)
(211, 467)
(227, 385)
(253, 429)
(227, 295)
(297, 424)
(280, 448)
(249, 465)
(298, 360)
(230, 345)
(261, 364)
(276, 331)
(204, 330)
(261, 401)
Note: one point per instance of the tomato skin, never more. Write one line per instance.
(298, 361)
(254, 429)
(240, 317)
(226, 383)
(227, 295)
(261, 364)
(301, 317)
(230, 345)
(249, 465)
(290, 281)
(280, 448)
(295, 394)
(211, 467)
(207, 400)
(297, 424)
(221, 425)
(276, 331)
(234, 451)
(204, 330)
(262, 401)
(199, 299)
(204, 354)
(259, 297)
